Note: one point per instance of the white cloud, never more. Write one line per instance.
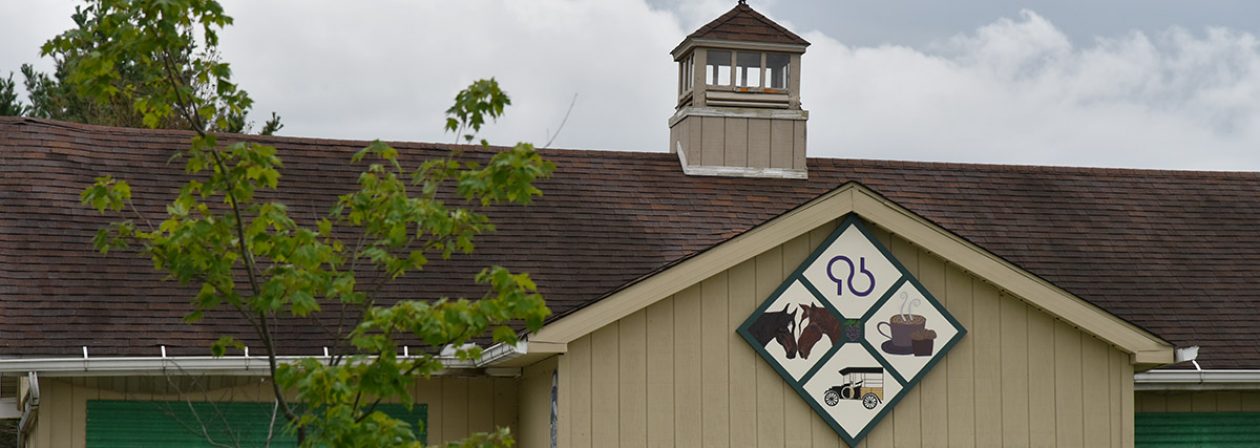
(390, 69)
(1017, 90)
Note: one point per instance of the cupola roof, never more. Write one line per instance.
(744, 24)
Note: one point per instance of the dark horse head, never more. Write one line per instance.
(820, 323)
(779, 326)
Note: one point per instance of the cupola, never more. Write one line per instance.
(739, 99)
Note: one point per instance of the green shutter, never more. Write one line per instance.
(1197, 429)
(143, 424)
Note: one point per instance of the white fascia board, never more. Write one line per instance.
(1168, 379)
(226, 365)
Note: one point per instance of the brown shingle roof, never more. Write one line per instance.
(1177, 253)
(744, 24)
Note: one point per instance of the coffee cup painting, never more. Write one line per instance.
(906, 331)
(850, 330)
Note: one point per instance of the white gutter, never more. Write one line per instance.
(227, 365)
(1169, 379)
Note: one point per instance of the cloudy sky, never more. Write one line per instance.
(1132, 83)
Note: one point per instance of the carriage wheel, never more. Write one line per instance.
(869, 400)
(831, 397)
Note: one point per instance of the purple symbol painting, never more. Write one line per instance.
(853, 270)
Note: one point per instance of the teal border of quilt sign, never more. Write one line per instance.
(851, 219)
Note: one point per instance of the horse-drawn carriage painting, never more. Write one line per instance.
(850, 330)
(860, 383)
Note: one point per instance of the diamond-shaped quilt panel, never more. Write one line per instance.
(851, 330)
(852, 388)
(908, 329)
(851, 272)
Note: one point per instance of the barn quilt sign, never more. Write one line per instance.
(851, 330)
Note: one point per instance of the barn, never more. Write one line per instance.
(730, 292)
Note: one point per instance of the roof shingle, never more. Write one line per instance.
(1175, 252)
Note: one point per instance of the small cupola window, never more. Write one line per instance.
(748, 71)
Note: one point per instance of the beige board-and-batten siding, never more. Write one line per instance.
(740, 142)
(457, 406)
(1198, 401)
(677, 374)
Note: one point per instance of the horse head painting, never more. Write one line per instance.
(820, 323)
(779, 326)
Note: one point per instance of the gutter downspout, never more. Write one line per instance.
(30, 410)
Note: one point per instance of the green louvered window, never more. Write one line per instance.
(142, 424)
(1197, 429)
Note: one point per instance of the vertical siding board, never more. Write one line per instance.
(534, 424)
(660, 373)
(988, 364)
(429, 392)
(505, 403)
(455, 407)
(1149, 402)
(580, 383)
(797, 415)
(1203, 402)
(961, 401)
(1228, 401)
(605, 386)
(908, 423)
(743, 360)
(1126, 403)
(1250, 401)
(798, 145)
(770, 387)
(1014, 346)
(80, 393)
(480, 404)
(58, 401)
(1095, 396)
(1069, 410)
(1179, 401)
(688, 404)
(934, 403)
(758, 143)
(1113, 394)
(736, 142)
(781, 136)
(715, 366)
(714, 141)
(1041, 368)
(633, 375)
(696, 138)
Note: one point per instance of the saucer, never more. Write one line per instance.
(891, 349)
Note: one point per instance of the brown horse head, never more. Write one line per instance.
(820, 322)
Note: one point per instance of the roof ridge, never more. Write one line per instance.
(1028, 168)
(815, 162)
